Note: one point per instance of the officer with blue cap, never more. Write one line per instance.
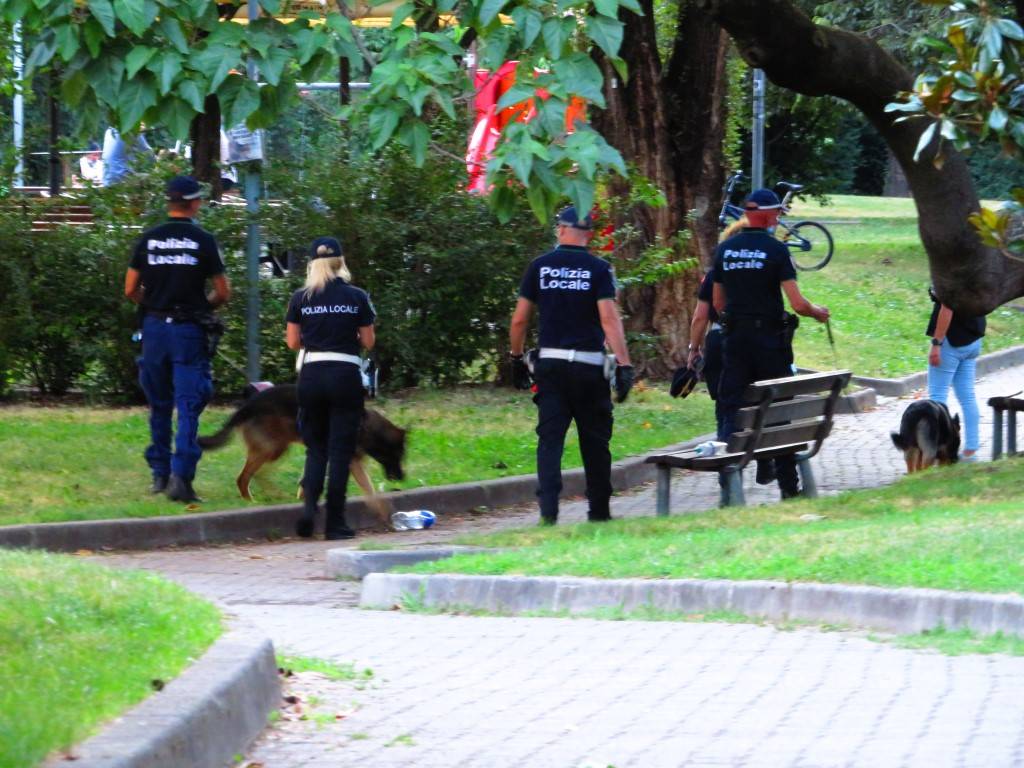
(752, 270)
(574, 292)
(168, 276)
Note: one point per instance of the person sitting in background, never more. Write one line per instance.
(955, 346)
(91, 166)
(118, 158)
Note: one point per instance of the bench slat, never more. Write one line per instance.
(790, 410)
(797, 432)
(1006, 403)
(807, 384)
(690, 460)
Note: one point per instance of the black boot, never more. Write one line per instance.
(336, 527)
(305, 525)
(765, 472)
(180, 489)
(159, 484)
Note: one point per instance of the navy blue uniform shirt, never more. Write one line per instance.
(174, 260)
(752, 266)
(566, 285)
(330, 319)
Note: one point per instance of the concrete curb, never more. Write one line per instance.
(904, 611)
(356, 564)
(201, 719)
(994, 361)
(276, 521)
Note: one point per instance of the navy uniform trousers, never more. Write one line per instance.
(749, 356)
(569, 392)
(174, 372)
(330, 411)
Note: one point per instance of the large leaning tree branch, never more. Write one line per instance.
(802, 56)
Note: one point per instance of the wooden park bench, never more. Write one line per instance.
(787, 417)
(1010, 406)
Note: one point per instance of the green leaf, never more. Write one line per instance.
(502, 201)
(632, 5)
(189, 91)
(172, 31)
(926, 138)
(166, 69)
(176, 116)
(137, 58)
(444, 101)
(580, 75)
(528, 21)
(400, 14)
(273, 7)
(581, 192)
(73, 88)
(416, 136)
(991, 40)
(383, 121)
(133, 14)
(609, 8)
(1010, 28)
(489, 10)
(103, 12)
(272, 65)
(997, 119)
(246, 101)
(964, 95)
(554, 37)
(537, 196)
(965, 79)
(93, 35)
(135, 97)
(520, 160)
(41, 54)
(66, 41)
(517, 94)
(216, 62)
(607, 33)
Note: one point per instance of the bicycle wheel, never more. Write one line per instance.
(810, 244)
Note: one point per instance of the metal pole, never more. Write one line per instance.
(757, 133)
(252, 247)
(18, 108)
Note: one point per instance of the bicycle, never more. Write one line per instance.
(810, 243)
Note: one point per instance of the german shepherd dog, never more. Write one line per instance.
(928, 435)
(269, 424)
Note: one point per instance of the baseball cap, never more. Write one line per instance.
(683, 381)
(762, 200)
(569, 218)
(325, 248)
(182, 188)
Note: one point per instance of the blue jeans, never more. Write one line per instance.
(957, 368)
(174, 371)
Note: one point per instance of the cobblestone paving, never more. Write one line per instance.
(484, 692)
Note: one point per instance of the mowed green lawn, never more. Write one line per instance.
(80, 643)
(877, 289)
(76, 463)
(959, 528)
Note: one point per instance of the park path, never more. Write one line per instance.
(487, 692)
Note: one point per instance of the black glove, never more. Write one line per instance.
(624, 376)
(521, 378)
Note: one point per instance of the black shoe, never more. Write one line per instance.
(180, 489)
(304, 525)
(546, 520)
(765, 472)
(790, 493)
(159, 484)
(598, 518)
(339, 533)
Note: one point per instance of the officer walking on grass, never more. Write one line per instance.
(167, 277)
(574, 292)
(752, 270)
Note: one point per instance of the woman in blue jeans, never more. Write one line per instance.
(956, 344)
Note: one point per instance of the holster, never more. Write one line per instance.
(214, 329)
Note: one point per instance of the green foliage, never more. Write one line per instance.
(80, 643)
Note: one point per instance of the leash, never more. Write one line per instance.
(835, 359)
(232, 364)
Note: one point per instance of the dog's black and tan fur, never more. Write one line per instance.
(269, 424)
(928, 435)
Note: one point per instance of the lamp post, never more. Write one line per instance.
(252, 244)
(757, 132)
(18, 107)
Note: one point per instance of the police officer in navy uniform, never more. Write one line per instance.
(167, 276)
(752, 270)
(574, 292)
(706, 341)
(329, 320)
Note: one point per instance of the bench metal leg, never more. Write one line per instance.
(997, 433)
(734, 490)
(1011, 433)
(809, 487)
(664, 488)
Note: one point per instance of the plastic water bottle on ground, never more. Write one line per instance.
(709, 448)
(413, 521)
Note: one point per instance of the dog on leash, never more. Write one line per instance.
(268, 422)
(928, 435)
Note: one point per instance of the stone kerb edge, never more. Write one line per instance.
(201, 719)
(356, 564)
(903, 611)
(989, 363)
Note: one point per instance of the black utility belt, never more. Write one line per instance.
(173, 317)
(752, 323)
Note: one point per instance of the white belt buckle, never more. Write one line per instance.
(572, 356)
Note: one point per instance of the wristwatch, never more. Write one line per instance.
(514, 356)
(936, 343)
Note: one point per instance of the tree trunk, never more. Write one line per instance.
(818, 61)
(667, 120)
(56, 169)
(205, 134)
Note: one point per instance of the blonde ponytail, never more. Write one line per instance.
(321, 271)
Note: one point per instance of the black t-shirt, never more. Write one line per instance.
(962, 330)
(706, 292)
(175, 259)
(330, 319)
(752, 266)
(566, 285)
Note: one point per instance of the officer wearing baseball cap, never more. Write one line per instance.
(167, 276)
(574, 292)
(752, 270)
(329, 320)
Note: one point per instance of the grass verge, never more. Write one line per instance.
(86, 463)
(958, 528)
(80, 643)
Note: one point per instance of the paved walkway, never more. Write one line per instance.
(490, 692)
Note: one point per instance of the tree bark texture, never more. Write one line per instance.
(797, 54)
(205, 135)
(668, 121)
